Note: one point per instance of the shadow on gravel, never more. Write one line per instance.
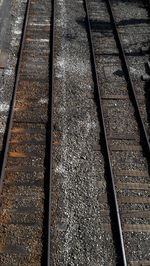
(105, 25)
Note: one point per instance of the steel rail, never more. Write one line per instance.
(127, 73)
(124, 261)
(12, 103)
(51, 126)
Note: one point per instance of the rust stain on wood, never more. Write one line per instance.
(17, 154)
(17, 130)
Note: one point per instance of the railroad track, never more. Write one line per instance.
(126, 225)
(98, 213)
(26, 156)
